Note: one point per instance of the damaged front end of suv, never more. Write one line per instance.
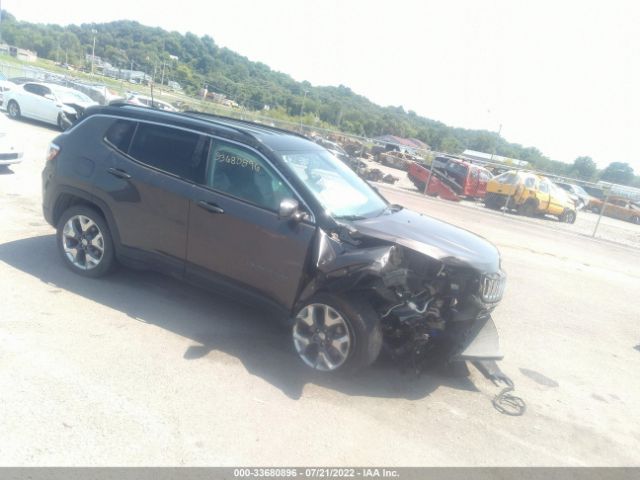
(431, 288)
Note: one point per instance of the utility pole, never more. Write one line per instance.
(162, 78)
(93, 51)
(302, 108)
(495, 144)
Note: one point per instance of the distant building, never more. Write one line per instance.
(488, 157)
(405, 145)
(19, 53)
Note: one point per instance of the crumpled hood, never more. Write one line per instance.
(437, 239)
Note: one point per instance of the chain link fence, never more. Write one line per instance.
(611, 213)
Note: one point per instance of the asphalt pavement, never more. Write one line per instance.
(140, 369)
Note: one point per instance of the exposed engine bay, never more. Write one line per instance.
(428, 308)
(432, 311)
(70, 114)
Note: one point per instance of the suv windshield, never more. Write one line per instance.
(336, 187)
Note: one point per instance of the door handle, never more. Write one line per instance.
(210, 207)
(116, 172)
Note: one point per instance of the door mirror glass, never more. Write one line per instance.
(288, 208)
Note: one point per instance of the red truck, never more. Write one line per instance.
(452, 178)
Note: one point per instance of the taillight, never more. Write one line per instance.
(53, 152)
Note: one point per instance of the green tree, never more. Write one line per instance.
(618, 172)
(584, 168)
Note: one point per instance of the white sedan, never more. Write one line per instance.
(10, 153)
(47, 102)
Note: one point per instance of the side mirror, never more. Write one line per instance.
(290, 209)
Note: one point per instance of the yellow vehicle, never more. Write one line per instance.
(529, 194)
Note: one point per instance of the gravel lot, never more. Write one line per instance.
(139, 369)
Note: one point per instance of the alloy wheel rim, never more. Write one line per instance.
(13, 110)
(321, 337)
(83, 242)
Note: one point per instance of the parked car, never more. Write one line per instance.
(47, 102)
(5, 85)
(530, 195)
(274, 219)
(143, 101)
(620, 208)
(469, 180)
(10, 153)
(578, 194)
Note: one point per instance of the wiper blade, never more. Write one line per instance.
(393, 208)
(349, 217)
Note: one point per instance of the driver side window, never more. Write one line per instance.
(245, 175)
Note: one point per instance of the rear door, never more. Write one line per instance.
(544, 195)
(236, 238)
(147, 181)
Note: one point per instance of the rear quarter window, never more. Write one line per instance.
(120, 133)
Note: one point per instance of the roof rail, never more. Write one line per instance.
(120, 103)
(246, 122)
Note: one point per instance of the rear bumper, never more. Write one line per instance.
(10, 158)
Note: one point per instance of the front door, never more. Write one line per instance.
(236, 238)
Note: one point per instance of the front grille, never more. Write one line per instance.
(9, 156)
(493, 285)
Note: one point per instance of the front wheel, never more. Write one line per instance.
(331, 333)
(84, 241)
(13, 109)
(62, 125)
(568, 216)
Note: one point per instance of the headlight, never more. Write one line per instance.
(492, 287)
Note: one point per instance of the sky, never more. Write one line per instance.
(563, 76)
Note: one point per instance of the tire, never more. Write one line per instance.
(61, 124)
(635, 219)
(334, 335)
(84, 227)
(527, 209)
(491, 202)
(13, 109)
(568, 216)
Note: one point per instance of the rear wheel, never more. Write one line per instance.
(635, 219)
(490, 201)
(528, 209)
(13, 109)
(84, 241)
(331, 333)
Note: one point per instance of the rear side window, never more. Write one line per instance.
(120, 134)
(544, 187)
(171, 150)
(508, 178)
